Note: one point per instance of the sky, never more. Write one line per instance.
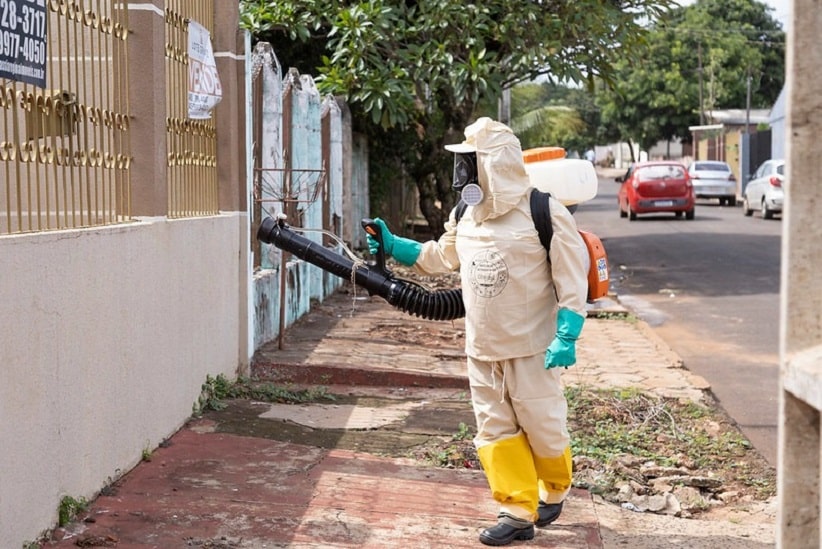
(781, 12)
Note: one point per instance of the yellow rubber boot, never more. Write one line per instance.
(555, 476)
(509, 468)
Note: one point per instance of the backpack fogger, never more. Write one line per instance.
(598, 277)
(569, 181)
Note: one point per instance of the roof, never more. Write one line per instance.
(739, 117)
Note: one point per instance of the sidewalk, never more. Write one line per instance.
(336, 474)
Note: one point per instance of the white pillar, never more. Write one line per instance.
(801, 295)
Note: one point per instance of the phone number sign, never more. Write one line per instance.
(23, 41)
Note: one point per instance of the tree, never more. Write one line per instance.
(698, 59)
(414, 72)
(551, 114)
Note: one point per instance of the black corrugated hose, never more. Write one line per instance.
(376, 279)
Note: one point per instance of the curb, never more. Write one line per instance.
(697, 381)
(334, 374)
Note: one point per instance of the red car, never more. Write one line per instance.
(656, 186)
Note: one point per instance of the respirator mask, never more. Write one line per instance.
(466, 180)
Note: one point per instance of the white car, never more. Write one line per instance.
(766, 189)
(713, 179)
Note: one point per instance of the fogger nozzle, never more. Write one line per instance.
(406, 296)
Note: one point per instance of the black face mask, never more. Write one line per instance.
(465, 170)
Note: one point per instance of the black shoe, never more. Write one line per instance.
(547, 513)
(504, 533)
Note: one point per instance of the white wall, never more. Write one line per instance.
(106, 336)
(777, 122)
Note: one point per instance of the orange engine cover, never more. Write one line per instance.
(598, 277)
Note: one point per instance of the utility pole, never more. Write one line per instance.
(748, 105)
(699, 72)
(504, 107)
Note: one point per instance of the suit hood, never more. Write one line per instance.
(501, 170)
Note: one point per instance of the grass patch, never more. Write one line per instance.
(608, 425)
(613, 315)
(217, 389)
(615, 434)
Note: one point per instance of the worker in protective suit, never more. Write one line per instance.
(523, 314)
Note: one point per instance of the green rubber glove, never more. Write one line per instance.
(404, 250)
(562, 350)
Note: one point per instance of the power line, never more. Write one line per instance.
(708, 33)
(740, 30)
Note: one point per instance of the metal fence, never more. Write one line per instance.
(64, 122)
(191, 144)
(65, 115)
(292, 136)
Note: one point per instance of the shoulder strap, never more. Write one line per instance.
(459, 210)
(540, 211)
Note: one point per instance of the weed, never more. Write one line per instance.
(217, 389)
(212, 393)
(607, 425)
(613, 315)
(269, 392)
(451, 457)
(69, 509)
(147, 451)
(464, 433)
(692, 410)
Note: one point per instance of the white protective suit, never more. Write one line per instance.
(512, 295)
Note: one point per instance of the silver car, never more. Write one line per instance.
(766, 189)
(713, 179)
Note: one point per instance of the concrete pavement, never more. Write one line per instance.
(330, 474)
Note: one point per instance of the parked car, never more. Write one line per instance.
(766, 189)
(713, 179)
(656, 186)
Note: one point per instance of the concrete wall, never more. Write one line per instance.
(800, 440)
(108, 333)
(303, 136)
(106, 336)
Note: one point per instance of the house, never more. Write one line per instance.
(777, 121)
(733, 136)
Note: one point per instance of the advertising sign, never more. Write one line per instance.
(204, 89)
(23, 41)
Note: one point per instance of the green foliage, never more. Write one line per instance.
(705, 50)
(464, 433)
(414, 73)
(269, 392)
(69, 508)
(212, 393)
(613, 315)
(608, 424)
(549, 114)
(217, 389)
(146, 455)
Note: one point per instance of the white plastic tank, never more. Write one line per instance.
(569, 180)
